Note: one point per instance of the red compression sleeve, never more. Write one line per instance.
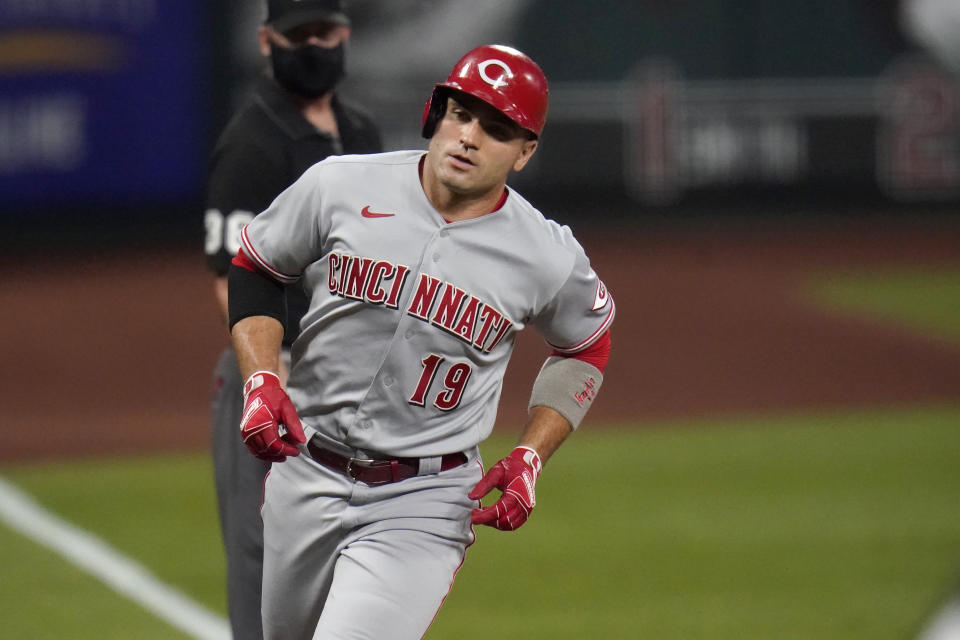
(596, 354)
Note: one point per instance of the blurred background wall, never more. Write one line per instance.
(108, 108)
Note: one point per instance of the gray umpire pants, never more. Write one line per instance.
(239, 477)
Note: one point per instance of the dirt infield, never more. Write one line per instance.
(112, 353)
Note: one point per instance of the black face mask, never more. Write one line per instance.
(308, 70)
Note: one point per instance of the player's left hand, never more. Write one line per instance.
(516, 476)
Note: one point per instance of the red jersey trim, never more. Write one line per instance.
(583, 344)
(244, 262)
(501, 201)
(262, 264)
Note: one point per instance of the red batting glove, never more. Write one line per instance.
(269, 427)
(516, 476)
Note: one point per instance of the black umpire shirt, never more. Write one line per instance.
(264, 148)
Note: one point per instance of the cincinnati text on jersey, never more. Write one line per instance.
(381, 282)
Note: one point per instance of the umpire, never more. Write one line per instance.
(292, 120)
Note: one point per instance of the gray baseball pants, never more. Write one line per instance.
(347, 561)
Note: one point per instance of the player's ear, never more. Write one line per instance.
(526, 152)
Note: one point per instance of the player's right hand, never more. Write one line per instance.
(269, 427)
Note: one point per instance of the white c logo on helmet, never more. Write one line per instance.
(500, 80)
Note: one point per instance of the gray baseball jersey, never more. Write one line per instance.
(412, 319)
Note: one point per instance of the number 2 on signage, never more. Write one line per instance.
(454, 383)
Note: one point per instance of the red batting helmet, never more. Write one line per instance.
(502, 77)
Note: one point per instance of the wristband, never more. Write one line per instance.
(532, 458)
(256, 380)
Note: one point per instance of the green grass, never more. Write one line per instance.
(832, 527)
(158, 510)
(924, 299)
(841, 526)
(42, 597)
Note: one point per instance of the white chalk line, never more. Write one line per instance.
(945, 625)
(122, 574)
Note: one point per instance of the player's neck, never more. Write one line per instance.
(455, 206)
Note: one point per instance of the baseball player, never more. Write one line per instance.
(423, 266)
(292, 121)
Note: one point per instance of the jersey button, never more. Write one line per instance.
(443, 233)
(388, 381)
(409, 334)
(436, 257)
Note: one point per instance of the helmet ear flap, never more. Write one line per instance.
(433, 111)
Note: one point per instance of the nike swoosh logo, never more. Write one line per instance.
(366, 213)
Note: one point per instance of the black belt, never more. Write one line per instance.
(375, 472)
